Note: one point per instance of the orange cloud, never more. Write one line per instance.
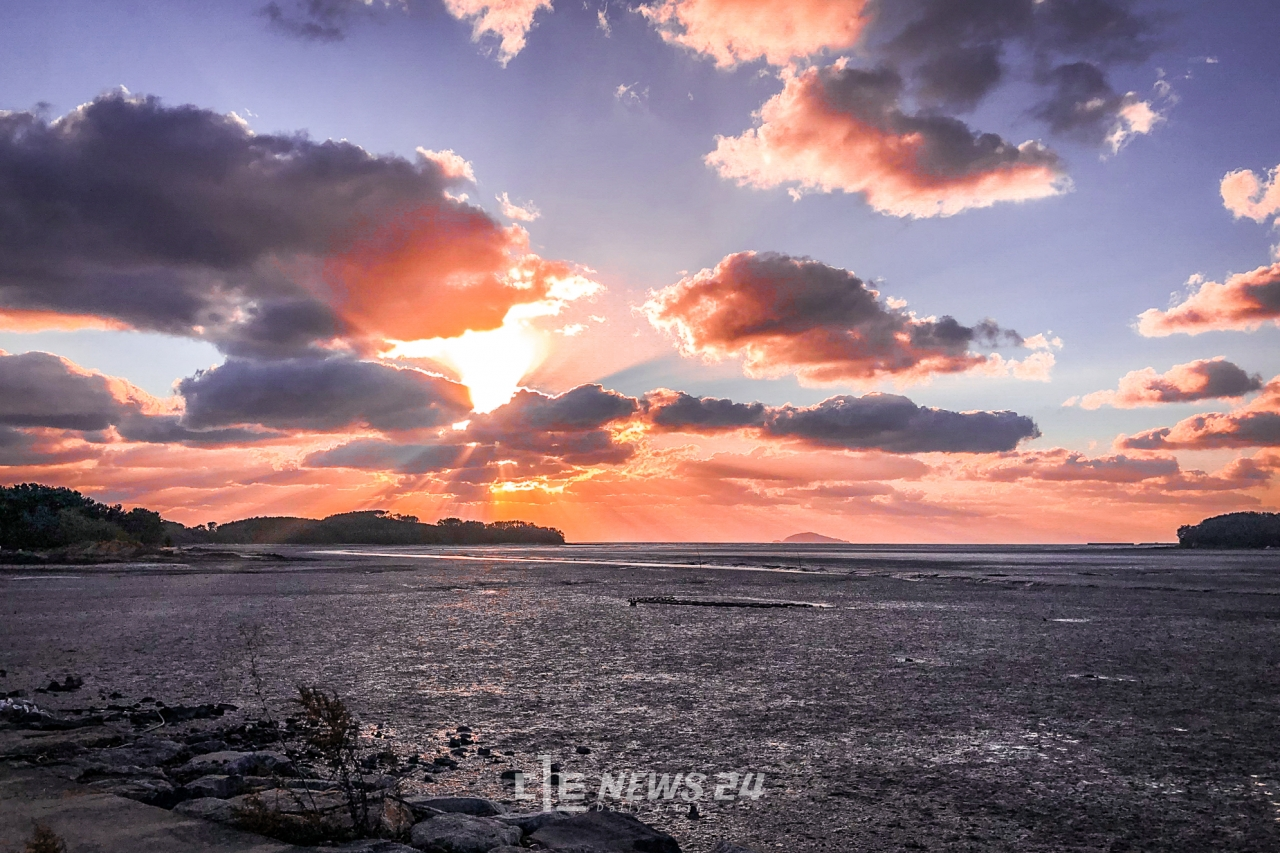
(1205, 379)
(1243, 303)
(840, 128)
(19, 320)
(778, 31)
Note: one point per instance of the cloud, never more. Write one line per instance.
(885, 422)
(1243, 303)
(842, 128)
(508, 21)
(1247, 195)
(1205, 379)
(1060, 465)
(183, 221)
(777, 31)
(678, 411)
(1083, 105)
(319, 20)
(1252, 424)
(783, 314)
(526, 212)
(382, 455)
(894, 424)
(45, 391)
(317, 394)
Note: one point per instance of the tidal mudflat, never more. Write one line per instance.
(1030, 699)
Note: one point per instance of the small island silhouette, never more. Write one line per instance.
(34, 517)
(1233, 530)
(813, 539)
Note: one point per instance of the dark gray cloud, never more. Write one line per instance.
(956, 53)
(897, 425)
(885, 422)
(42, 390)
(676, 410)
(783, 313)
(320, 394)
(587, 407)
(181, 220)
(949, 149)
(315, 20)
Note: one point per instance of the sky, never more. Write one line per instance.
(920, 271)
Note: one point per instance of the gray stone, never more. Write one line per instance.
(460, 833)
(531, 822)
(219, 786)
(726, 847)
(604, 832)
(230, 763)
(381, 845)
(150, 751)
(153, 792)
(474, 806)
(208, 808)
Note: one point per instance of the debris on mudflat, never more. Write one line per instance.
(716, 602)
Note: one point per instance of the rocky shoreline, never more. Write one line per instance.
(214, 762)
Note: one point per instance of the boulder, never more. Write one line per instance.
(474, 806)
(150, 751)
(208, 808)
(604, 832)
(460, 833)
(381, 845)
(531, 822)
(230, 763)
(223, 787)
(153, 792)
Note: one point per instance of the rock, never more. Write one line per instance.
(208, 808)
(460, 833)
(147, 752)
(584, 750)
(218, 786)
(531, 822)
(47, 748)
(396, 818)
(380, 845)
(474, 806)
(444, 761)
(604, 832)
(205, 747)
(726, 847)
(229, 763)
(153, 792)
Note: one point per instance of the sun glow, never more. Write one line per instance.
(491, 364)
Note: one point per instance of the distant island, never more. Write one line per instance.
(813, 539)
(35, 517)
(1233, 530)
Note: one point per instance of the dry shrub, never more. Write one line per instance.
(45, 840)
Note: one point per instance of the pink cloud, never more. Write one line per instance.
(841, 128)
(778, 31)
(1243, 303)
(1205, 379)
(1247, 195)
(782, 314)
(1253, 424)
(509, 21)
